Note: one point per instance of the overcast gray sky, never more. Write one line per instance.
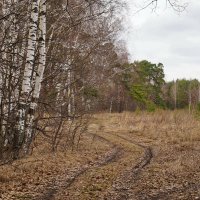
(165, 36)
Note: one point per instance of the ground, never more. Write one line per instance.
(133, 156)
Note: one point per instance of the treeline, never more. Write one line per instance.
(182, 93)
(141, 86)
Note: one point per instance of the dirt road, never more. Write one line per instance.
(147, 169)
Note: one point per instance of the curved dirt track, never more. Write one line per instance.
(160, 171)
(136, 167)
(121, 184)
(122, 188)
(120, 158)
(141, 184)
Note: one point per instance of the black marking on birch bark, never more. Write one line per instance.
(35, 10)
(40, 39)
(43, 13)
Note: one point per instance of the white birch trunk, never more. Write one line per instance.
(42, 49)
(73, 110)
(175, 94)
(40, 70)
(199, 94)
(27, 84)
(190, 98)
(69, 106)
(111, 104)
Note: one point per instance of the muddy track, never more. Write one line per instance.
(144, 160)
(122, 188)
(122, 184)
(62, 184)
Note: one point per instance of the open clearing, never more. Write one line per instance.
(122, 156)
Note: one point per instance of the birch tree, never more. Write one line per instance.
(48, 60)
(39, 73)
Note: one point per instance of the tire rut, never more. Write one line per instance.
(63, 183)
(145, 159)
(122, 188)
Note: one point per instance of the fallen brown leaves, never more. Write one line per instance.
(29, 177)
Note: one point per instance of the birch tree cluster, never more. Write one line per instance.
(54, 56)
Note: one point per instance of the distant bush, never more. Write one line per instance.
(151, 107)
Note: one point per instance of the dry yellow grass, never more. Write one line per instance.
(174, 137)
(167, 126)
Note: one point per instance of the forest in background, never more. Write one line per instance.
(142, 86)
(62, 61)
